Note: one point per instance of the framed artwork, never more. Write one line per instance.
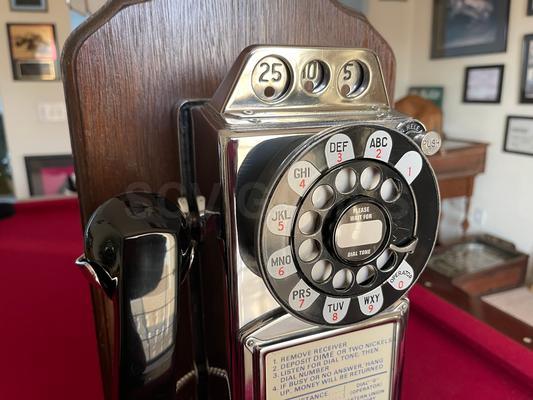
(33, 49)
(29, 5)
(462, 28)
(50, 175)
(530, 7)
(526, 86)
(519, 135)
(433, 93)
(483, 84)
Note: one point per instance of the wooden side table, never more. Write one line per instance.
(456, 167)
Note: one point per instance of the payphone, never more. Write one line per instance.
(309, 210)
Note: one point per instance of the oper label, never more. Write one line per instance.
(279, 219)
(402, 278)
(370, 303)
(339, 148)
(301, 175)
(410, 165)
(280, 264)
(302, 296)
(379, 146)
(335, 309)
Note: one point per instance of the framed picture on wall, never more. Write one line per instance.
(530, 7)
(50, 175)
(483, 84)
(526, 86)
(519, 135)
(433, 93)
(29, 5)
(33, 49)
(462, 28)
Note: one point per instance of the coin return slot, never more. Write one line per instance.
(365, 276)
(323, 197)
(343, 279)
(386, 260)
(345, 180)
(370, 178)
(321, 271)
(309, 223)
(309, 250)
(269, 91)
(390, 190)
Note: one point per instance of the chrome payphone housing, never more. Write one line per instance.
(275, 108)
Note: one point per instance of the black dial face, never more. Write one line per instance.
(342, 236)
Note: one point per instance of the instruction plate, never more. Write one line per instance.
(351, 366)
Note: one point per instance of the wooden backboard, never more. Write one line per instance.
(128, 65)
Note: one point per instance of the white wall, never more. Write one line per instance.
(503, 194)
(502, 203)
(25, 133)
(392, 19)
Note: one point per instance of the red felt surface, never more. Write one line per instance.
(47, 335)
(49, 349)
(451, 355)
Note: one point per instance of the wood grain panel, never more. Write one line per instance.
(126, 68)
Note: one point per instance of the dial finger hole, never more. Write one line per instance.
(366, 275)
(323, 197)
(345, 180)
(370, 178)
(386, 260)
(309, 250)
(309, 223)
(390, 190)
(321, 271)
(343, 279)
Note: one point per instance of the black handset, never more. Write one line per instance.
(137, 249)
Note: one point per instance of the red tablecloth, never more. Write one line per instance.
(49, 349)
(48, 339)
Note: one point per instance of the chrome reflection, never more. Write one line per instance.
(154, 312)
